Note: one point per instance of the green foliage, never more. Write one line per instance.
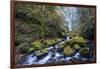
(61, 46)
(71, 34)
(41, 52)
(23, 48)
(37, 45)
(84, 52)
(37, 22)
(78, 40)
(50, 42)
(76, 46)
(68, 51)
(44, 50)
(45, 16)
(60, 34)
(86, 22)
(31, 49)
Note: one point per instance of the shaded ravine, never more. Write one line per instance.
(55, 56)
(70, 15)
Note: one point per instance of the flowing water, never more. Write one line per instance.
(32, 59)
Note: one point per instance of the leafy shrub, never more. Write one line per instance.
(68, 51)
(84, 52)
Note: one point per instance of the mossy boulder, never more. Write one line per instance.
(84, 52)
(78, 40)
(68, 51)
(37, 45)
(41, 52)
(50, 42)
(76, 46)
(31, 49)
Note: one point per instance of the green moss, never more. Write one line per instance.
(31, 49)
(61, 45)
(68, 51)
(37, 45)
(41, 52)
(77, 46)
(50, 42)
(78, 40)
(44, 50)
(84, 52)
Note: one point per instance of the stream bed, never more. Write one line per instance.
(53, 57)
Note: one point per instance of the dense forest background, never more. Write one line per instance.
(39, 26)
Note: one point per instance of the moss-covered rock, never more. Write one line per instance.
(68, 51)
(78, 40)
(50, 42)
(84, 52)
(76, 46)
(37, 45)
(31, 49)
(41, 52)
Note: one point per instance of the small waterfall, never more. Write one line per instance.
(70, 15)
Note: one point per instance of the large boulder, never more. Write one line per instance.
(37, 45)
(50, 42)
(78, 40)
(85, 52)
(68, 51)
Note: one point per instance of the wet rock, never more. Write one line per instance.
(41, 53)
(85, 52)
(68, 51)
